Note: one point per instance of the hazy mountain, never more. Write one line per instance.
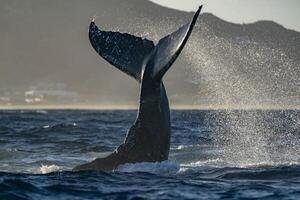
(46, 58)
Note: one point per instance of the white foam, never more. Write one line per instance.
(166, 167)
(42, 111)
(191, 146)
(46, 169)
(220, 163)
(46, 126)
(180, 147)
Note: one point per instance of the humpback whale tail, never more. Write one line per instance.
(128, 52)
(148, 140)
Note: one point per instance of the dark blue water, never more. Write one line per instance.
(214, 155)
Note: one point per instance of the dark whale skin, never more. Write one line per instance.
(148, 139)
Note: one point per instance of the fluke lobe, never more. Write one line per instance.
(148, 140)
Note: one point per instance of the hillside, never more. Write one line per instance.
(46, 58)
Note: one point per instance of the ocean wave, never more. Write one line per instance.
(6, 130)
(10, 184)
(10, 153)
(47, 128)
(262, 173)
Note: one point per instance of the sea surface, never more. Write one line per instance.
(221, 154)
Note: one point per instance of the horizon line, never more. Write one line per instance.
(135, 107)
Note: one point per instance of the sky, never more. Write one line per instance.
(284, 12)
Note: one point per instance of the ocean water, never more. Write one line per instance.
(224, 154)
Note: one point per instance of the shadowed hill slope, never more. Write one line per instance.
(44, 47)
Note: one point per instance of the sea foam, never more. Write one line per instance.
(46, 169)
(166, 167)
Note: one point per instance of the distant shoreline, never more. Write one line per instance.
(135, 107)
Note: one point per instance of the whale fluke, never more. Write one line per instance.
(169, 47)
(148, 140)
(124, 51)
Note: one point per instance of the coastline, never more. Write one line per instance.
(135, 107)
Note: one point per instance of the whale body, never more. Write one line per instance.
(148, 139)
